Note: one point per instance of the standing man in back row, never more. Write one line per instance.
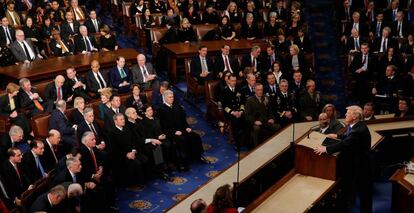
(354, 161)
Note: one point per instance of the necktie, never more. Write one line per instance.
(365, 60)
(378, 29)
(95, 23)
(94, 160)
(12, 104)
(74, 178)
(59, 93)
(6, 31)
(122, 73)
(204, 65)
(254, 64)
(101, 81)
(64, 48)
(26, 51)
(226, 60)
(394, 14)
(87, 44)
(78, 14)
(383, 49)
(356, 44)
(52, 149)
(348, 130)
(40, 167)
(3, 190)
(284, 95)
(347, 14)
(17, 172)
(144, 70)
(399, 29)
(93, 129)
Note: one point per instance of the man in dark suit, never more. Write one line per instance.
(59, 121)
(174, 124)
(268, 59)
(354, 42)
(357, 24)
(202, 67)
(381, 44)
(32, 166)
(70, 173)
(369, 111)
(400, 27)
(233, 105)
(297, 85)
(226, 62)
(60, 46)
(144, 74)
(377, 26)
(252, 60)
(120, 77)
(93, 24)
(324, 126)
(392, 12)
(362, 69)
(85, 43)
(56, 91)
(57, 14)
(248, 90)
(47, 201)
(309, 103)
(369, 13)
(260, 117)
(355, 159)
(286, 108)
(75, 85)
(4, 196)
(29, 98)
(12, 174)
(23, 49)
(95, 79)
(70, 27)
(79, 13)
(12, 139)
(89, 124)
(345, 11)
(109, 113)
(51, 155)
(280, 10)
(7, 34)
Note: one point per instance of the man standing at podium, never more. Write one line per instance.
(354, 161)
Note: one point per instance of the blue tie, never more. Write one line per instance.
(348, 130)
(39, 165)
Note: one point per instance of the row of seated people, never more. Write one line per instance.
(126, 146)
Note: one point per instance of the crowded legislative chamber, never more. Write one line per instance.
(217, 106)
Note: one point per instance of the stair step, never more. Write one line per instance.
(325, 69)
(322, 44)
(327, 82)
(323, 56)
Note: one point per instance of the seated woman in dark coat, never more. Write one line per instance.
(106, 94)
(76, 117)
(46, 29)
(107, 41)
(225, 29)
(404, 109)
(137, 100)
(186, 33)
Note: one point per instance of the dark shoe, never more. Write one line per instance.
(165, 177)
(183, 168)
(113, 209)
(204, 160)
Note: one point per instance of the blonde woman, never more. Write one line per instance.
(233, 13)
(186, 33)
(76, 117)
(106, 94)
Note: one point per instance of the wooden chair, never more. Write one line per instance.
(214, 111)
(156, 34)
(193, 88)
(126, 17)
(203, 29)
(40, 124)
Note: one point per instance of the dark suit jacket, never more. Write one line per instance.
(63, 176)
(350, 44)
(121, 142)
(92, 84)
(196, 69)
(88, 166)
(50, 93)
(258, 111)
(250, 31)
(15, 185)
(389, 86)
(3, 36)
(19, 52)
(59, 122)
(27, 103)
(232, 101)
(29, 167)
(5, 144)
(247, 62)
(115, 79)
(78, 92)
(76, 117)
(220, 66)
(91, 27)
(357, 63)
(80, 44)
(304, 45)
(308, 106)
(378, 42)
(66, 31)
(108, 117)
(246, 92)
(84, 127)
(363, 29)
(373, 28)
(172, 119)
(405, 28)
(5, 105)
(48, 160)
(57, 49)
(41, 204)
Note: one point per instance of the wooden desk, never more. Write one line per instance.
(49, 68)
(402, 191)
(181, 50)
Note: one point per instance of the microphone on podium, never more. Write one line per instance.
(312, 128)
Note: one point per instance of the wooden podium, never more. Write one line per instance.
(311, 181)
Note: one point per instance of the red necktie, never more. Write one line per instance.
(94, 160)
(227, 63)
(59, 95)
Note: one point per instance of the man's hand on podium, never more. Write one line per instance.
(320, 150)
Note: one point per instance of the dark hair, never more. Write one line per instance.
(11, 152)
(222, 199)
(35, 143)
(112, 97)
(221, 19)
(201, 47)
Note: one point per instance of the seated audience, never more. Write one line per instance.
(55, 12)
(226, 62)
(52, 153)
(248, 90)
(107, 41)
(334, 124)
(75, 84)
(59, 121)
(69, 27)
(309, 102)
(105, 94)
(10, 107)
(11, 14)
(192, 16)
(260, 117)
(109, 113)
(233, 13)
(302, 40)
(144, 74)
(89, 124)
(174, 124)
(268, 59)
(209, 16)
(56, 91)
(147, 21)
(158, 6)
(23, 49)
(202, 67)
(324, 126)
(137, 8)
(14, 138)
(93, 24)
(7, 34)
(85, 43)
(368, 111)
(295, 61)
(79, 12)
(49, 200)
(252, 60)
(157, 95)
(272, 26)
(32, 32)
(297, 85)
(277, 72)
(198, 206)
(76, 115)
(32, 166)
(29, 99)
(60, 46)
(225, 29)
(120, 76)
(286, 107)
(137, 100)
(171, 17)
(404, 109)
(186, 33)
(249, 28)
(95, 79)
